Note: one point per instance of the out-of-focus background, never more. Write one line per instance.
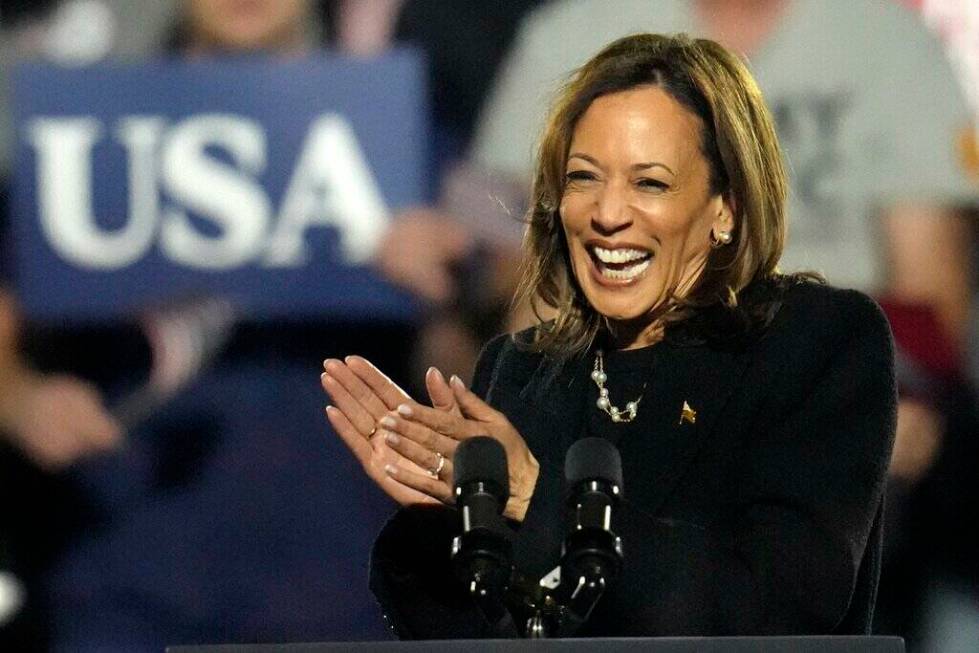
(200, 200)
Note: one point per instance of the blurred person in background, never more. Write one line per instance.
(192, 596)
(938, 531)
(48, 421)
(463, 279)
(464, 43)
(52, 419)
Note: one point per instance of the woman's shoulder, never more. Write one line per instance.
(814, 307)
(817, 323)
(782, 304)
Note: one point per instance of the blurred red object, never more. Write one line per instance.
(921, 339)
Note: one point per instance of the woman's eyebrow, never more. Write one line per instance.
(653, 164)
(586, 157)
(637, 166)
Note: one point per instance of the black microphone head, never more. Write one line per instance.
(482, 459)
(593, 459)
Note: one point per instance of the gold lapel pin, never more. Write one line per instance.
(688, 414)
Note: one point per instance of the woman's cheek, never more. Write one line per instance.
(563, 212)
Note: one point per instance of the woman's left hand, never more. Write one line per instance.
(418, 433)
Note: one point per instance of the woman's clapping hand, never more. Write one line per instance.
(407, 447)
(361, 396)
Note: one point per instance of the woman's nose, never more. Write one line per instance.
(612, 209)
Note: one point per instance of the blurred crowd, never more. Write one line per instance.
(223, 510)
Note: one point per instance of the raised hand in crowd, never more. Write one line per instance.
(53, 419)
(917, 442)
(418, 252)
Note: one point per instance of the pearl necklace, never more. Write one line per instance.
(604, 403)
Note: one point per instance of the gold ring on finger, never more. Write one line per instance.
(439, 465)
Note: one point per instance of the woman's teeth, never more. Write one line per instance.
(626, 273)
(618, 255)
(621, 264)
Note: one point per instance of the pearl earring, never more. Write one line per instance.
(721, 239)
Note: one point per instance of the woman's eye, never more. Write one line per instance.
(580, 175)
(652, 184)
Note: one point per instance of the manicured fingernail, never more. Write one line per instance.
(391, 438)
(391, 470)
(457, 382)
(404, 409)
(331, 363)
(346, 359)
(330, 409)
(435, 371)
(388, 422)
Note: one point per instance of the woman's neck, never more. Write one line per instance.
(635, 334)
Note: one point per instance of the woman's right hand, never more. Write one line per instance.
(361, 396)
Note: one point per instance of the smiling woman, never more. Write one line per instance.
(691, 159)
(757, 410)
(637, 208)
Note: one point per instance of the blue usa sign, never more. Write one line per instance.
(267, 182)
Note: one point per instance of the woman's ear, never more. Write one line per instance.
(722, 226)
(726, 212)
(723, 222)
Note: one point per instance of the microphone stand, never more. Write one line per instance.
(592, 555)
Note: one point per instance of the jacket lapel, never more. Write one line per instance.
(683, 406)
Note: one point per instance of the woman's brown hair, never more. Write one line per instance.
(737, 140)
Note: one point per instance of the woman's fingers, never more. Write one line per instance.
(391, 483)
(384, 388)
(375, 459)
(360, 391)
(384, 454)
(427, 485)
(439, 392)
(357, 405)
(428, 461)
(441, 422)
(470, 404)
(420, 433)
(350, 435)
(356, 414)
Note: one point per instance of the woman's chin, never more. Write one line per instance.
(622, 304)
(617, 312)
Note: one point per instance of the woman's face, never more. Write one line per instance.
(637, 210)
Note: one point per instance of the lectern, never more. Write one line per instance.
(596, 645)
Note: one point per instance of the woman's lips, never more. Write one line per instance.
(618, 266)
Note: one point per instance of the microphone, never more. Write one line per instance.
(482, 554)
(592, 557)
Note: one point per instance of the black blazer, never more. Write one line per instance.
(762, 517)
